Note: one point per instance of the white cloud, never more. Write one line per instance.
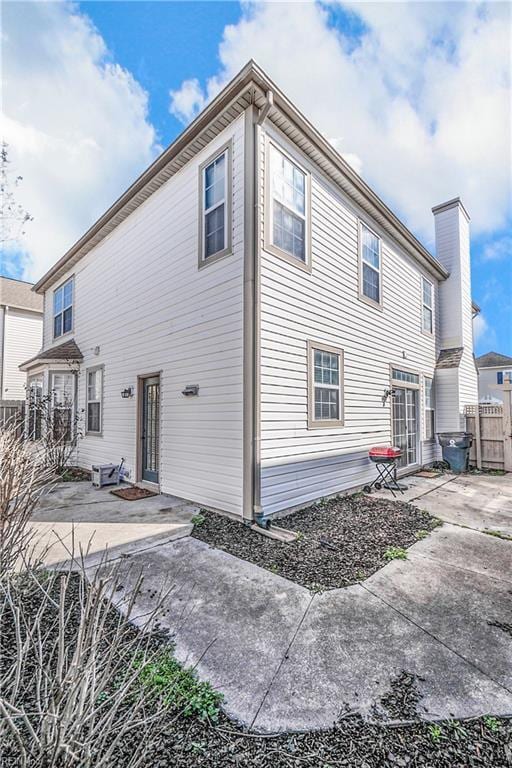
(422, 104)
(483, 334)
(188, 101)
(498, 249)
(76, 123)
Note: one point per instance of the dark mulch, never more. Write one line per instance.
(187, 742)
(133, 493)
(342, 541)
(74, 475)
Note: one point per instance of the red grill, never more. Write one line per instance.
(385, 458)
(384, 453)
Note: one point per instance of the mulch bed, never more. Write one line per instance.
(75, 475)
(187, 742)
(133, 493)
(342, 541)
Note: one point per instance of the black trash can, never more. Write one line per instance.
(456, 447)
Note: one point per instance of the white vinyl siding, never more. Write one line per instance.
(427, 316)
(371, 268)
(167, 316)
(299, 464)
(22, 335)
(63, 309)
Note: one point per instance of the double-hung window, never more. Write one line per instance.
(371, 271)
(288, 207)
(325, 407)
(215, 187)
(94, 400)
(429, 409)
(63, 395)
(63, 309)
(427, 318)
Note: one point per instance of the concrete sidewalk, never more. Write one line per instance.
(75, 517)
(287, 659)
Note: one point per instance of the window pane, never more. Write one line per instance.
(427, 319)
(288, 183)
(214, 182)
(370, 248)
(214, 231)
(68, 294)
(427, 293)
(371, 287)
(67, 321)
(326, 404)
(409, 378)
(57, 301)
(57, 325)
(428, 393)
(289, 232)
(93, 417)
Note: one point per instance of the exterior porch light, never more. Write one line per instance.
(127, 392)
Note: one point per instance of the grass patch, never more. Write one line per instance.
(198, 520)
(395, 553)
(178, 686)
(498, 534)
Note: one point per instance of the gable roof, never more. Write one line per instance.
(493, 360)
(449, 358)
(66, 352)
(251, 86)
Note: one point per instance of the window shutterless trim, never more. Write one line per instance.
(306, 265)
(423, 305)
(324, 423)
(71, 330)
(92, 369)
(227, 149)
(361, 296)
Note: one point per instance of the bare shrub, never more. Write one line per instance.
(24, 475)
(72, 685)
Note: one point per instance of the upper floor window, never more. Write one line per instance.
(325, 374)
(288, 208)
(63, 309)
(427, 318)
(215, 230)
(371, 273)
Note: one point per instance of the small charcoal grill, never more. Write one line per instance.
(385, 458)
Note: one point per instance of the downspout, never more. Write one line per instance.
(258, 516)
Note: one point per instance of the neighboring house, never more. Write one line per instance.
(249, 317)
(494, 370)
(21, 334)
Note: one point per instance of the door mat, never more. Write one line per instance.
(133, 494)
(428, 473)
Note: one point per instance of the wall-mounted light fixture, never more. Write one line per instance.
(191, 390)
(387, 393)
(127, 392)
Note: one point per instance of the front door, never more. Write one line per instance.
(150, 428)
(405, 424)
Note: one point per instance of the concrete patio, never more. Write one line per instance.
(77, 517)
(287, 659)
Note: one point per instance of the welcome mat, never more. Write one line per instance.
(428, 473)
(133, 493)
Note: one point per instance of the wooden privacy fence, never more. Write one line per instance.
(491, 428)
(10, 410)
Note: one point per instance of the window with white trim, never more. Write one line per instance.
(370, 265)
(35, 407)
(429, 409)
(427, 321)
(215, 206)
(94, 400)
(288, 206)
(325, 386)
(62, 395)
(63, 309)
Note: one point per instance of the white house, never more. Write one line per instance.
(249, 317)
(21, 334)
(494, 370)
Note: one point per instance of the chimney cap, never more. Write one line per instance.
(451, 204)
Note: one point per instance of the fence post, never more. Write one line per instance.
(507, 427)
(478, 438)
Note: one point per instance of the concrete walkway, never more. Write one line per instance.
(75, 516)
(288, 659)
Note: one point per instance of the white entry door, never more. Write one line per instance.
(405, 424)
